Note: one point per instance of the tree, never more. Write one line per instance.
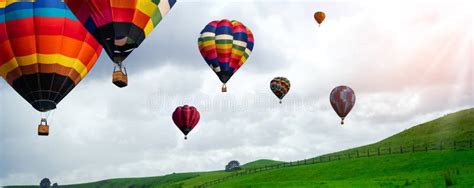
(233, 165)
(45, 183)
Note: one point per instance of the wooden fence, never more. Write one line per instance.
(352, 154)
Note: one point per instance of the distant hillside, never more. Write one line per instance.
(260, 163)
(455, 126)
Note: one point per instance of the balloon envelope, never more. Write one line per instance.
(120, 26)
(319, 17)
(342, 100)
(280, 87)
(186, 118)
(225, 46)
(44, 50)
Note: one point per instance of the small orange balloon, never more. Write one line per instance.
(319, 17)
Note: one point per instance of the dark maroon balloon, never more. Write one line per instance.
(186, 118)
(342, 100)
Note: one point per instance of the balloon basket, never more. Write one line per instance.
(120, 79)
(43, 128)
(224, 88)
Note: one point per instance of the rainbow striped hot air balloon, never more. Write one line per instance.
(44, 50)
(120, 25)
(225, 45)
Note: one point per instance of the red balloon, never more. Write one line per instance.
(186, 118)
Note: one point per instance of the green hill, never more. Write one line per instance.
(260, 163)
(423, 169)
(171, 180)
(455, 126)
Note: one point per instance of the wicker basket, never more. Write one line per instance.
(120, 79)
(224, 88)
(43, 128)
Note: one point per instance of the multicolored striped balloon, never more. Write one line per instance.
(280, 87)
(342, 100)
(186, 118)
(120, 25)
(44, 50)
(225, 45)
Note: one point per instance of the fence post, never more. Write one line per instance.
(413, 148)
(378, 151)
(441, 145)
(390, 150)
(426, 147)
(368, 152)
(454, 144)
(339, 157)
(401, 149)
(357, 153)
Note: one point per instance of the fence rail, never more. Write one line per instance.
(353, 154)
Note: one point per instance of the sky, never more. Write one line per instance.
(408, 63)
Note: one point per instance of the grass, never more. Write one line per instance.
(425, 169)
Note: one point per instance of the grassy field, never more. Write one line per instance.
(171, 180)
(424, 169)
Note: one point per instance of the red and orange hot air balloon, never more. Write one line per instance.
(186, 118)
(44, 51)
(319, 17)
(342, 100)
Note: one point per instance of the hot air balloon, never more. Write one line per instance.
(186, 118)
(44, 51)
(225, 45)
(342, 100)
(319, 17)
(280, 87)
(120, 26)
